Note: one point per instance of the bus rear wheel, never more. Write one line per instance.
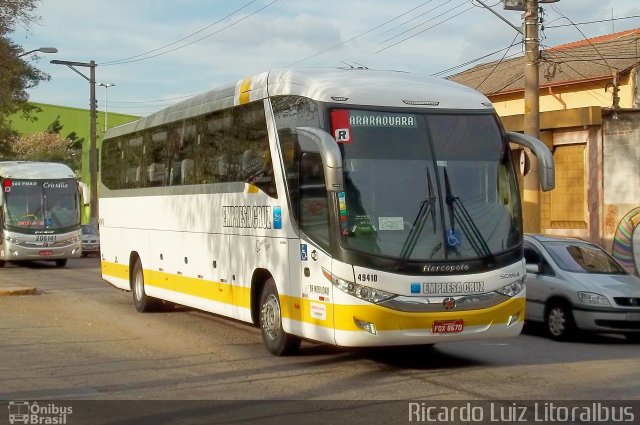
(277, 341)
(141, 300)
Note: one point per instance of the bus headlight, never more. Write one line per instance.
(366, 293)
(513, 288)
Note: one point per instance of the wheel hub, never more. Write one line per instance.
(271, 318)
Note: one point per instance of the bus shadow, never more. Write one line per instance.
(538, 330)
(423, 357)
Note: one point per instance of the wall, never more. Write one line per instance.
(621, 178)
(569, 96)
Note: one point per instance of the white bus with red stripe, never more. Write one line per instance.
(348, 206)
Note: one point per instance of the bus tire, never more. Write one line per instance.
(142, 302)
(61, 263)
(277, 341)
(2, 263)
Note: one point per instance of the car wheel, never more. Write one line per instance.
(559, 322)
(141, 301)
(277, 341)
(61, 263)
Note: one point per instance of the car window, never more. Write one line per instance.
(580, 257)
(89, 230)
(533, 256)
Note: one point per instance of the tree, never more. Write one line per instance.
(74, 143)
(16, 74)
(43, 147)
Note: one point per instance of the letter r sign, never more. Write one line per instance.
(342, 135)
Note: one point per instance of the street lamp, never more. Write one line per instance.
(93, 153)
(106, 101)
(41, 49)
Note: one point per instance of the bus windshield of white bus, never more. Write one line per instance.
(41, 204)
(418, 185)
(427, 187)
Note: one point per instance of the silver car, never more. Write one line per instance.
(575, 285)
(90, 240)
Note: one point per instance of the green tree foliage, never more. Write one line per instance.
(16, 74)
(74, 143)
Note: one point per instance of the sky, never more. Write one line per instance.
(156, 53)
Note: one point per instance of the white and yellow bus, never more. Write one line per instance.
(349, 206)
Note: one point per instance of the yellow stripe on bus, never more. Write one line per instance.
(245, 88)
(339, 316)
(120, 271)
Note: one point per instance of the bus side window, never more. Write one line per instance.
(314, 205)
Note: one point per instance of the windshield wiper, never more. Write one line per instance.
(34, 216)
(426, 209)
(458, 211)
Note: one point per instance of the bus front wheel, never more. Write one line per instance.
(277, 341)
(141, 300)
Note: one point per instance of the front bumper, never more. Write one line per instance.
(607, 321)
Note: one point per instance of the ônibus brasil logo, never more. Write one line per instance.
(25, 412)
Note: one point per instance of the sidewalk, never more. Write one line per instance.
(9, 286)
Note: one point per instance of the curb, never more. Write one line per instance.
(4, 292)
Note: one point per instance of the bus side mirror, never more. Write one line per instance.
(546, 168)
(331, 156)
(84, 189)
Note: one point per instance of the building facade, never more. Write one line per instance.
(590, 118)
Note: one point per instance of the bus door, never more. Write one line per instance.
(315, 262)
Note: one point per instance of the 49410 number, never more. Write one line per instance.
(367, 277)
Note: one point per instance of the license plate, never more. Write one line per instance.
(447, 326)
(633, 317)
(45, 253)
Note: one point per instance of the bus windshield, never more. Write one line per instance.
(426, 186)
(41, 204)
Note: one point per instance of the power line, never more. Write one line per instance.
(463, 65)
(199, 39)
(513, 42)
(424, 22)
(424, 30)
(593, 22)
(583, 35)
(358, 36)
(414, 18)
(182, 39)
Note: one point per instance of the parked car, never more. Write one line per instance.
(90, 240)
(575, 285)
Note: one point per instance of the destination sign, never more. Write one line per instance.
(380, 119)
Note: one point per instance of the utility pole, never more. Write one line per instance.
(531, 73)
(532, 221)
(93, 153)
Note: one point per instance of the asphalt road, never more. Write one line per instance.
(80, 338)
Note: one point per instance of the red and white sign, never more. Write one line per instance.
(340, 127)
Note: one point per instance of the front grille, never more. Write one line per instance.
(619, 324)
(627, 301)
